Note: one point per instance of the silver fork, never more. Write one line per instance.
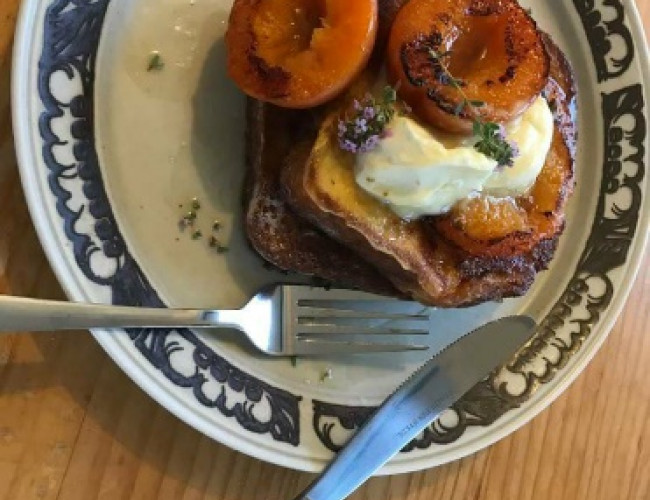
(280, 320)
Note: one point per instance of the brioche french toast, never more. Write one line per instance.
(275, 231)
(306, 213)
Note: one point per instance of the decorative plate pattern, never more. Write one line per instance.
(71, 31)
(71, 37)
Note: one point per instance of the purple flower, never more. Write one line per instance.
(514, 147)
(361, 130)
(348, 145)
(361, 126)
(371, 142)
(369, 112)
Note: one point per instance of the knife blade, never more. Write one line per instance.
(433, 388)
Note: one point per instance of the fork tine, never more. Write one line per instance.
(321, 312)
(305, 293)
(308, 346)
(370, 304)
(331, 329)
(321, 322)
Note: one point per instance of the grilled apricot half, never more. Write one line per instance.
(446, 52)
(500, 228)
(299, 53)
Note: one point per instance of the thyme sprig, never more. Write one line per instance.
(493, 144)
(491, 136)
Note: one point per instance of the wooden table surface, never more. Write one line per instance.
(73, 426)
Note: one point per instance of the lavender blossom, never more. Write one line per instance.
(362, 131)
(514, 148)
(371, 143)
(361, 126)
(348, 145)
(369, 113)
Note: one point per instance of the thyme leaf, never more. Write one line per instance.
(493, 144)
(155, 62)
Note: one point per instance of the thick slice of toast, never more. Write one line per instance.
(444, 271)
(274, 230)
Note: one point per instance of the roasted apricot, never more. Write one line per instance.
(488, 227)
(445, 53)
(299, 53)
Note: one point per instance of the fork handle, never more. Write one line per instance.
(23, 314)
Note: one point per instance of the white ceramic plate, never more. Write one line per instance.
(109, 150)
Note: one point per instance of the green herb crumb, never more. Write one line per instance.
(155, 62)
(326, 375)
(213, 242)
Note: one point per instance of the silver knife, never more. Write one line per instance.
(433, 388)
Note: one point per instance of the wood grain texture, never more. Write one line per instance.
(73, 426)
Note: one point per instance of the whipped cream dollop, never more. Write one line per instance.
(418, 171)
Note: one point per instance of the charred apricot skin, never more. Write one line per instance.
(502, 228)
(492, 48)
(299, 53)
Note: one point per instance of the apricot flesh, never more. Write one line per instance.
(491, 49)
(299, 53)
(488, 227)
